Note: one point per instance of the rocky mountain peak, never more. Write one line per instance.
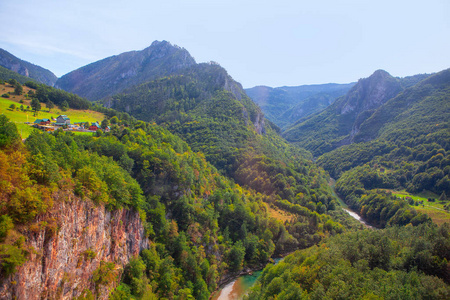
(369, 93)
(117, 73)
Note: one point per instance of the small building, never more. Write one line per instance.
(94, 126)
(62, 120)
(42, 121)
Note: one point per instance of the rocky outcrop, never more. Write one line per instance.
(63, 262)
(369, 93)
(259, 123)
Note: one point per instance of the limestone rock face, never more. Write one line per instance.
(63, 262)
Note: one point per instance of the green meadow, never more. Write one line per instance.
(21, 117)
(435, 210)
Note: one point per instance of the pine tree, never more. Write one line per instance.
(36, 105)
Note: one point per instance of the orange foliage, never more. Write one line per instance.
(20, 197)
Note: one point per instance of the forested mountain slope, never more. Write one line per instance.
(198, 224)
(213, 115)
(408, 149)
(339, 123)
(286, 105)
(116, 73)
(420, 110)
(24, 68)
(6, 74)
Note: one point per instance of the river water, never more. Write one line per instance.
(353, 214)
(357, 217)
(238, 288)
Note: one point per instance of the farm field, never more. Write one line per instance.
(20, 117)
(435, 210)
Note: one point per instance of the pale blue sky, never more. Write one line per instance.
(261, 42)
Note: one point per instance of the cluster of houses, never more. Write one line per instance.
(63, 120)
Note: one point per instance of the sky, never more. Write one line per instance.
(273, 43)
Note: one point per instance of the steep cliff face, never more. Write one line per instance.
(366, 96)
(63, 263)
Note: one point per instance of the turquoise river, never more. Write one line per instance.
(238, 288)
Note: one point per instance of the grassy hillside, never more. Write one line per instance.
(20, 117)
(428, 203)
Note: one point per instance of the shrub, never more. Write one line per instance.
(89, 254)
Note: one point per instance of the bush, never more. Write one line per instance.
(31, 84)
(11, 257)
(6, 224)
(89, 254)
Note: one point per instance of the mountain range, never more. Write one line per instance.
(24, 68)
(286, 105)
(188, 185)
(340, 122)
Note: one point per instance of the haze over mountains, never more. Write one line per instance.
(288, 104)
(339, 123)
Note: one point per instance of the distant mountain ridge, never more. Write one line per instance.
(24, 68)
(339, 123)
(112, 75)
(420, 110)
(288, 104)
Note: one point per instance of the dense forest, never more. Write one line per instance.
(210, 177)
(201, 224)
(401, 146)
(228, 128)
(397, 263)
